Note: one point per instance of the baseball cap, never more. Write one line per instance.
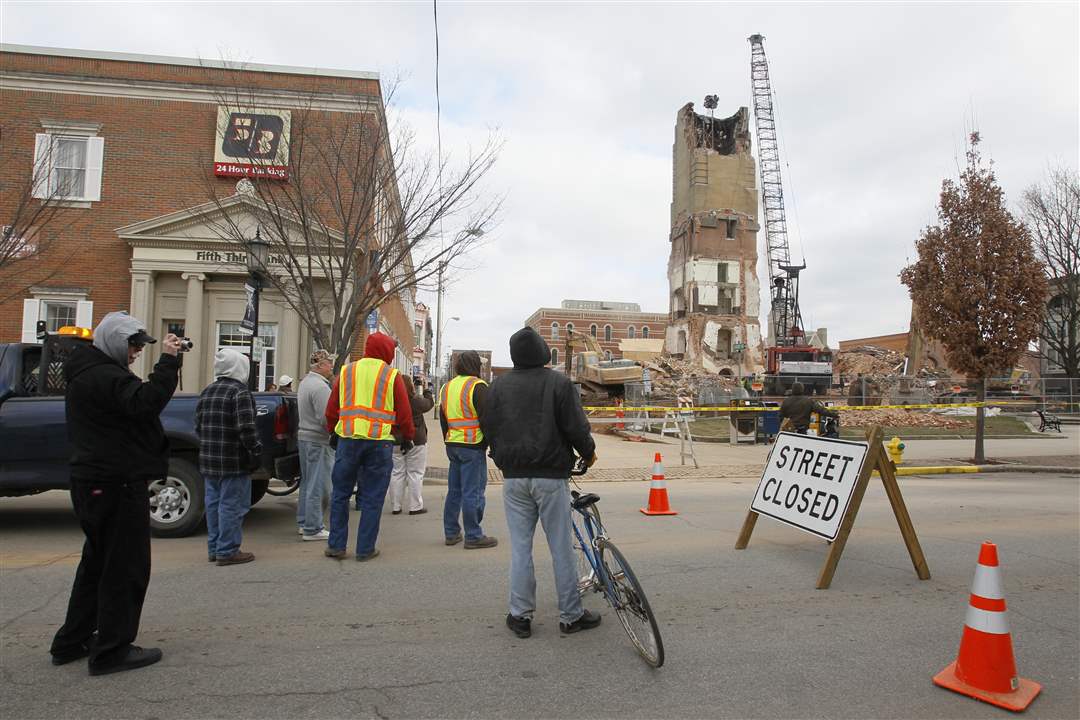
(320, 355)
(284, 380)
(141, 338)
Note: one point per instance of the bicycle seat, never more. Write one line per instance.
(583, 501)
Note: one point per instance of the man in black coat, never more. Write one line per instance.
(798, 407)
(117, 446)
(533, 423)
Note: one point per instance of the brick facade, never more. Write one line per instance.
(583, 320)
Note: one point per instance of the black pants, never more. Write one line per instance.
(110, 584)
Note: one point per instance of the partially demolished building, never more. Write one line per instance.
(712, 269)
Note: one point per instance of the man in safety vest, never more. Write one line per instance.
(461, 405)
(367, 400)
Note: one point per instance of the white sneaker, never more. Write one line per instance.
(299, 529)
(321, 535)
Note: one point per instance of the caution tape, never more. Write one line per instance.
(757, 408)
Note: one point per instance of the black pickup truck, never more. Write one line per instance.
(34, 447)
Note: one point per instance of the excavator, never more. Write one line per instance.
(586, 368)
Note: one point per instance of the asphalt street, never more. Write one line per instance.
(419, 631)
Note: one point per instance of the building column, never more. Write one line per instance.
(193, 328)
(290, 351)
(142, 308)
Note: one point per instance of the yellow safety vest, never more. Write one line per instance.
(366, 400)
(462, 422)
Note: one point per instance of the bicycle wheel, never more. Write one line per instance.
(631, 605)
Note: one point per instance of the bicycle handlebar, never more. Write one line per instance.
(580, 468)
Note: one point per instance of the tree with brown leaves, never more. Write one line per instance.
(977, 286)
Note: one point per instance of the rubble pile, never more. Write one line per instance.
(896, 418)
(672, 379)
(869, 360)
(881, 368)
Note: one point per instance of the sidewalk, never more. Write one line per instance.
(622, 460)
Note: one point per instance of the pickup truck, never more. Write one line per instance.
(34, 447)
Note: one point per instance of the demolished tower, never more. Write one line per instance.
(712, 269)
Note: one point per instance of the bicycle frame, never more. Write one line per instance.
(594, 529)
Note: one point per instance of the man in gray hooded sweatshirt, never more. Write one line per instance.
(117, 447)
(229, 449)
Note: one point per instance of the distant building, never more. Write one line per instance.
(607, 321)
(422, 336)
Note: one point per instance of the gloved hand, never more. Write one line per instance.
(333, 440)
(591, 461)
(406, 446)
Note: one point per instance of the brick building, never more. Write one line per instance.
(137, 141)
(608, 322)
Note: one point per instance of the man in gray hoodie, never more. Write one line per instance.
(316, 455)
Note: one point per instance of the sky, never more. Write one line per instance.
(874, 103)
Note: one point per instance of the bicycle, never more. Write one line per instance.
(602, 568)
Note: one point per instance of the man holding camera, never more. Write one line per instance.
(117, 446)
(229, 449)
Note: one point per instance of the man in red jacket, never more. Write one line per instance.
(367, 401)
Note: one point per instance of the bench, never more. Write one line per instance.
(1048, 421)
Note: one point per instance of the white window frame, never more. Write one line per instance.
(554, 356)
(609, 333)
(266, 330)
(554, 331)
(36, 308)
(45, 153)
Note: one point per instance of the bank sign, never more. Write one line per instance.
(252, 142)
(808, 481)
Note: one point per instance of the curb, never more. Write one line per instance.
(963, 469)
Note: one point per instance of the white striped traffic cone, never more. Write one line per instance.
(658, 500)
(985, 668)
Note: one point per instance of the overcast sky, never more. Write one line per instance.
(874, 102)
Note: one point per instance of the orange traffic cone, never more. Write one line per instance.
(985, 668)
(658, 502)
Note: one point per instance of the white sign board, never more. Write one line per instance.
(808, 481)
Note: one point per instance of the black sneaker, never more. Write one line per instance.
(587, 621)
(522, 627)
(136, 657)
(63, 657)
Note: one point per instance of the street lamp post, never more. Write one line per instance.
(257, 256)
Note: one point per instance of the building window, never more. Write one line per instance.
(608, 354)
(607, 333)
(721, 272)
(645, 332)
(554, 356)
(554, 331)
(732, 226)
(592, 329)
(631, 332)
(229, 336)
(68, 162)
(56, 308)
(569, 328)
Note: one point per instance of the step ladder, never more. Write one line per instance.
(680, 419)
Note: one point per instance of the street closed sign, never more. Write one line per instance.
(808, 481)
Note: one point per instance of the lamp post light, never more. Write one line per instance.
(257, 257)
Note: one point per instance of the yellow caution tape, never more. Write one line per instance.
(757, 408)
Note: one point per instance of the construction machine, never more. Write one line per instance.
(585, 366)
(789, 358)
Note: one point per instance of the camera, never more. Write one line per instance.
(186, 344)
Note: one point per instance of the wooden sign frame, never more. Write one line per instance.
(876, 459)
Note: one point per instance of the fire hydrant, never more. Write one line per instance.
(895, 448)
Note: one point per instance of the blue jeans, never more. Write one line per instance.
(467, 480)
(363, 465)
(316, 464)
(527, 500)
(228, 499)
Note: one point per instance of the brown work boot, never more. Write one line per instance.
(237, 558)
(455, 540)
(336, 554)
(484, 541)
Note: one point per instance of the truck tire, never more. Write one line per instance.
(177, 501)
(258, 489)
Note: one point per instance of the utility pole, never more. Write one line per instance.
(439, 326)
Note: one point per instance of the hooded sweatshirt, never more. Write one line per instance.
(468, 363)
(225, 419)
(533, 419)
(380, 347)
(112, 415)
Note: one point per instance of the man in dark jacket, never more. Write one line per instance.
(410, 459)
(229, 449)
(117, 447)
(533, 422)
(797, 408)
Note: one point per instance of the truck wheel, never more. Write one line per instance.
(258, 489)
(177, 501)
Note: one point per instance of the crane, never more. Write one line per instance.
(788, 356)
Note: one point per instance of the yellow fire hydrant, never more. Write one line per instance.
(895, 448)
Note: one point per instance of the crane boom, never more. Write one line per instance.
(785, 318)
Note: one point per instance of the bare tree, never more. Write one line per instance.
(33, 216)
(359, 219)
(1052, 211)
(977, 285)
